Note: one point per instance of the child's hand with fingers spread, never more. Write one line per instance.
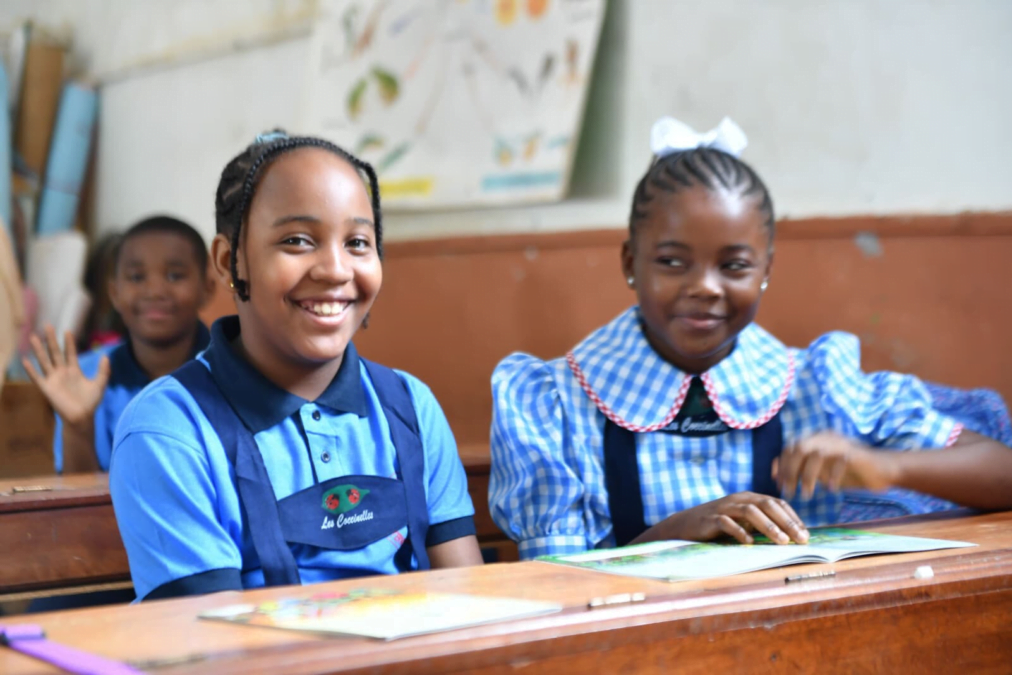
(73, 396)
(834, 461)
(735, 515)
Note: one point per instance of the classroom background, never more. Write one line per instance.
(881, 128)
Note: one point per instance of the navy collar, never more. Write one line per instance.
(127, 372)
(260, 403)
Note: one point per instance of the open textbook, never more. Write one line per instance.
(685, 560)
(379, 613)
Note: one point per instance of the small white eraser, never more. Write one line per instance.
(924, 572)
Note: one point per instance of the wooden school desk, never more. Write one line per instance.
(872, 616)
(59, 540)
(65, 540)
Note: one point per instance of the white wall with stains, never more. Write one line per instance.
(852, 107)
(112, 39)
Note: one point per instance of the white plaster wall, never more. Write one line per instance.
(852, 106)
(114, 38)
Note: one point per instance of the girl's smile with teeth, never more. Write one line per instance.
(312, 241)
(325, 308)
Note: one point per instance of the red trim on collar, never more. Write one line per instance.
(711, 392)
(954, 435)
(683, 389)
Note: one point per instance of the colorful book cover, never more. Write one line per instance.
(685, 560)
(381, 614)
(68, 159)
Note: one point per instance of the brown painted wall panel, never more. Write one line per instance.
(934, 302)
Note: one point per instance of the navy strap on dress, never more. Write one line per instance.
(399, 410)
(622, 480)
(767, 444)
(252, 481)
(622, 474)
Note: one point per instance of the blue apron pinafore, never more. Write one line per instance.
(347, 524)
(622, 475)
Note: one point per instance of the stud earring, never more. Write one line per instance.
(764, 285)
(630, 281)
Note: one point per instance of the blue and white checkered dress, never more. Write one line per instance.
(547, 489)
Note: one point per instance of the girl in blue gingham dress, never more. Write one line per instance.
(683, 419)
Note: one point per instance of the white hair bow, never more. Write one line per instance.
(668, 135)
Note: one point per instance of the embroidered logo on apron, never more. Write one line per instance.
(339, 501)
(343, 498)
(357, 511)
(697, 417)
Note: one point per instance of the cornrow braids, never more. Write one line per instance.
(241, 177)
(706, 167)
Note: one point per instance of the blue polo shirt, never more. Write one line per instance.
(126, 380)
(174, 490)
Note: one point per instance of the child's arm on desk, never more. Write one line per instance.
(975, 471)
(73, 396)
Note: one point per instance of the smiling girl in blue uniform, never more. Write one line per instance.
(683, 419)
(280, 456)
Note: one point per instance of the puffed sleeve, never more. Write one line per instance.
(535, 494)
(884, 409)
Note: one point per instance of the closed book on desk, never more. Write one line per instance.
(381, 614)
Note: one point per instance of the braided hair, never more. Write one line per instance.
(707, 167)
(241, 177)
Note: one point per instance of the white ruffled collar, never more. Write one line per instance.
(638, 390)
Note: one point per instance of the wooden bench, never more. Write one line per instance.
(58, 534)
